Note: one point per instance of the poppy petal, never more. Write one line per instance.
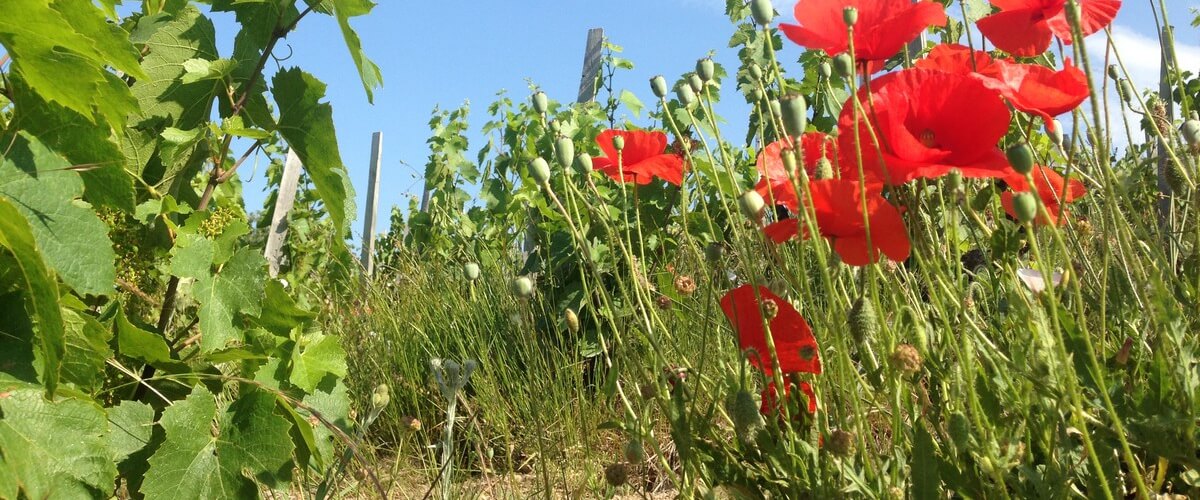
(1020, 32)
(795, 345)
(1094, 16)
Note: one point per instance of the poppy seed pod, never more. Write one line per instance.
(1191, 132)
(564, 151)
(850, 16)
(844, 65)
(1021, 158)
(583, 163)
(755, 71)
(714, 251)
(756, 95)
(695, 83)
(1025, 207)
(618, 142)
(795, 114)
(554, 126)
(762, 11)
(541, 103)
(471, 271)
(522, 287)
(705, 68)
(685, 94)
(539, 170)
(776, 110)
(825, 69)
(751, 204)
(1113, 72)
(824, 169)
(658, 85)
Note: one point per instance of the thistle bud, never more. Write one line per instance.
(583, 163)
(705, 69)
(1021, 158)
(862, 320)
(539, 170)
(658, 84)
(522, 287)
(1191, 131)
(844, 65)
(906, 359)
(471, 271)
(824, 169)
(762, 11)
(1025, 206)
(541, 103)
(564, 151)
(695, 83)
(685, 94)
(572, 321)
(795, 114)
(755, 71)
(751, 204)
(685, 285)
(825, 69)
(618, 142)
(850, 16)
(616, 474)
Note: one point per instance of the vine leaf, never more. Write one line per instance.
(210, 449)
(314, 357)
(172, 41)
(138, 343)
(73, 240)
(49, 40)
(53, 449)
(307, 125)
(87, 349)
(131, 424)
(368, 71)
(41, 292)
(280, 313)
(236, 288)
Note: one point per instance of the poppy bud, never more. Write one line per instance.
(788, 156)
(1025, 206)
(522, 287)
(618, 142)
(824, 169)
(844, 65)
(540, 170)
(850, 16)
(583, 163)
(762, 11)
(825, 69)
(1174, 177)
(1055, 131)
(572, 321)
(1021, 158)
(685, 94)
(540, 102)
(658, 84)
(776, 110)
(795, 114)
(695, 83)
(1113, 72)
(380, 398)
(1125, 91)
(471, 271)
(751, 204)
(705, 68)
(744, 413)
(1191, 131)
(564, 151)
(862, 320)
(954, 180)
(755, 71)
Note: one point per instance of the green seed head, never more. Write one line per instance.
(618, 142)
(844, 65)
(685, 94)
(1021, 158)
(522, 287)
(583, 163)
(705, 69)
(1191, 131)
(714, 252)
(795, 114)
(696, 83)
(850, 16)
(658, 84)
(1175, 179)
(564, 151)
(539, 170)
(825, 69)
(1114, 72)
(863, 322)
(755, 71)
(541, 103)
(471, 271)
(1025, 207)
(751, 204)
(762, 11)
(954, 181)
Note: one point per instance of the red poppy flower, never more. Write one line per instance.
(1055, 191)
(838, 206)
(883, 27)
(641, 160)
(776, 182)
(770, 405)
(1031, 88)
(1025, 27)
(927, 123)
(794, 341)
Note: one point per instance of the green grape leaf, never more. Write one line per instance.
(52, 39)
(192, 256)
(368, 72)
(236, 288)
(307, 125)
(210, 450)
(87, 349)
(332, 401)
(138, 343)
(41, 293)
(53, 449)
(314, 357)
(130, 425)
(72, 239)
(173, 40)
(280, 314)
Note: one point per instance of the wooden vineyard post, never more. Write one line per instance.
(283, 205)
(368, 245)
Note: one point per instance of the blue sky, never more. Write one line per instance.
(444, 53)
